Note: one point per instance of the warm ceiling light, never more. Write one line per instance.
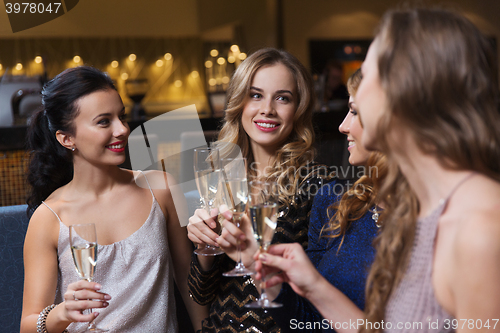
(178, 83)
(124, 76)
(159, 62)
(347, 50)
(208, 64)
(235, 48)
(77, 59)
(225, 79)
(167, 56)
(38, 59)
(1, 67)
(132, 57)
(212, 82)
(242, 56)
(221, 61)
(231, 59)
(214, 53)
(114, 64)
(19, 66)
(195, 74)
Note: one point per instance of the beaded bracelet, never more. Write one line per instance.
(42, 320)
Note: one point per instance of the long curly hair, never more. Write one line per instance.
(438, 72)
(358, 199)
(51, 164)
(286, 166)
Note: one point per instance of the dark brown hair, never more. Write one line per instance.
(438, 72)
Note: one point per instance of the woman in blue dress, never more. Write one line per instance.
(344, 221)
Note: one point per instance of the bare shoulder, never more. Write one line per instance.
(478, 234)
(157, 180)
(165, 189)
(475, 253)
(43, 223)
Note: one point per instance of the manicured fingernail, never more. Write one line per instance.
(105, 304)
(243, 237)
(107, 297)
(98, 287)
(262, 257)
(96, 314)
(213, 225)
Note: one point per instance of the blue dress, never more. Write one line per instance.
(346, 269)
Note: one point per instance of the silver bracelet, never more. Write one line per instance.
(41, 323)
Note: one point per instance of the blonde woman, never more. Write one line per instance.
(268, 115)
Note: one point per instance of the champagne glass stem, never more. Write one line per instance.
(239, 262)
(91, 325)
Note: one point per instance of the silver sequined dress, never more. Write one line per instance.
(137, 273)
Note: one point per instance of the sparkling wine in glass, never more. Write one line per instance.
(208, 176)
(235, 179)
(263, 216)
(83, 243)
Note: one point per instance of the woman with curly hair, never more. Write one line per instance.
(428, 100)
(345, 219)
(269, 117)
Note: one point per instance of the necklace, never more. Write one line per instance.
(375, 216)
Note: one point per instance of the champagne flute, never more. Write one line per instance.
(235, 178)
(83, 243)
(263, 215)
(208, 175)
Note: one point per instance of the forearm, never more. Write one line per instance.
(196, 311)
(334, 305)
(299, 309)
(55, 322)
(206, 262)
(203, 284)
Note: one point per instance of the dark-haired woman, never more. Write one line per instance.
(77, 142)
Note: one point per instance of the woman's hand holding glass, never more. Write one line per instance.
(83, 244)
(287, 263)
(263, 216)
(203, 228)
(82, 296)
(208, 174)
(233, 236)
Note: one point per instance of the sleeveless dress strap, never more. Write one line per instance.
(52, 211)
(146, 178)
(444, 201)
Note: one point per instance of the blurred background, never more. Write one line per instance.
(168, 54)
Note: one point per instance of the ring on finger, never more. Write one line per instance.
(74, 297)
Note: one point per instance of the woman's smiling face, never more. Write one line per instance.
(351, 126)
(268, 113)
(101, 132)
(371, 98)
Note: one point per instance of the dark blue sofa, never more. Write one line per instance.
(13, 225)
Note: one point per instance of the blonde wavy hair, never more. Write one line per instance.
(298, 149)
(357, 200)
(439, 75)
